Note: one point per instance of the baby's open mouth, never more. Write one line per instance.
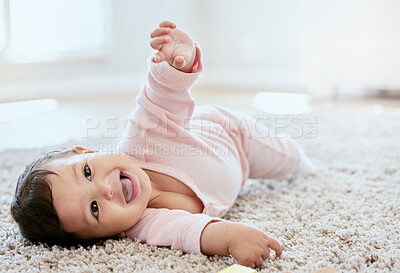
(127, 188)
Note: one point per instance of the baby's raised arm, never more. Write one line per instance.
(248, 245)
(174, 46)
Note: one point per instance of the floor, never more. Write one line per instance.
(345, 215)
(85, 117)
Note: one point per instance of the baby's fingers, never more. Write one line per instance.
(158, 57)
(198, 51)
(259, 261)
(265, 255)
(158, 42)
(179, 62)
(160, 31)
(167, 24)
(272, 243)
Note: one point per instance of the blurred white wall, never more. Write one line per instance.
(349, 47)
(122, 69)
(269, 45)
(253, 44)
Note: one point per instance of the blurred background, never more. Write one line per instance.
(64, 63)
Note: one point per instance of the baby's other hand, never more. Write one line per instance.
(173, 46)
(250, 246)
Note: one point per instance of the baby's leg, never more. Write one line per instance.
(268, 155)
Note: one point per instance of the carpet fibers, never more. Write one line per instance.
(345, 215)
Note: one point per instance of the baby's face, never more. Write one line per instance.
(97, 195)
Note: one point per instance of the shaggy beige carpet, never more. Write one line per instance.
(346, 215)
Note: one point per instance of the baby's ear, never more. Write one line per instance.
(81, 150)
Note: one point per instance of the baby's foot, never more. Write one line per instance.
(305, 164)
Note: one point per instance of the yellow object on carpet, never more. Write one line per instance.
(236, 268)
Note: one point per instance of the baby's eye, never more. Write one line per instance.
(94, 208)
(87, 172)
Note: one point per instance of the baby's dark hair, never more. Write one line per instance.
(32, 206)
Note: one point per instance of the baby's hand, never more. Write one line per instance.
(174, 46)
(250, 246)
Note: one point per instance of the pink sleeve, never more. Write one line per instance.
(178, 229)
(166, 94)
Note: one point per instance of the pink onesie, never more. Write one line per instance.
(211, 149)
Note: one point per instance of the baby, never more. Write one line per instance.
(177, 171)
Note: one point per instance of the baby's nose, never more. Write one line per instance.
(106, 187)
